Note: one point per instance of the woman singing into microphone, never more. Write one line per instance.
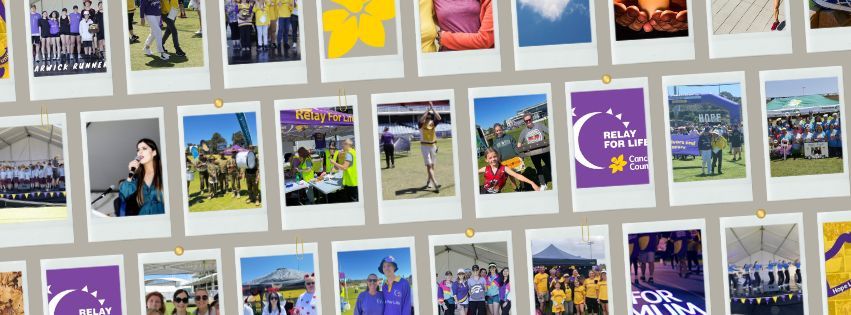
(143, 189)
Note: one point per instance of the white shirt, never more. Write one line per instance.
(306, 304)
(246, 310)
(84, 30)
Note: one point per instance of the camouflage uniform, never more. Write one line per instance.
(233, 176)
(223, 175)
(203, 174)
(213, 169)
(251, 178)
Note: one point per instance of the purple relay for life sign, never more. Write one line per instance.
(610, 138)
(84, 291)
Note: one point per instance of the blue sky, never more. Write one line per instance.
(553, 22)
(197, 128)
(359, 264)
(732, 88)
(574, 246)
(255, 267)
(490, 110)
(801, 87)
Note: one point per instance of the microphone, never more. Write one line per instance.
(108, 190)
(133, 169)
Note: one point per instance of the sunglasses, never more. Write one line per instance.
(274, 298)
(183, 300)
(527, 120)
(310, 283)
(372, 280)
(202, 297)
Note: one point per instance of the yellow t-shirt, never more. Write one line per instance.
(557, 296)
(429, 136)
(272, 9)
(541, 283)
(568, 294)
(591, 288)
(428, 29)
(579, 295)
(285, 8)
(603, 290)
(261, 16)
(131, 6)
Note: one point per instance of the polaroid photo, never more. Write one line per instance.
(319, 164)
(14, 299)
(125, 165)
(159, 56)
(578, 259)
(707, 134)
(86, 285)
(740, 29)
(34, 199)
(486, 262)
(827, 25)
(452, 44)
(422, 186)
(613, 156)
(222, 169)
(515, 149)
(69, 49)
(358, 284)
(676, 280)
(651, 31)
(7, 82)
(540, 39)
(834, 234)
(803, 111)
(192, 281)
(764, 263)
(267, 52)
(288, 274)
(360, 41)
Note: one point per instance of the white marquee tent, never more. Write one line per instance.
(452, 257)
(762, 243)
(30, 143)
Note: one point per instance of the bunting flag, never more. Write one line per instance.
(742, 300)
(36, 194)
(767, 299)
(774, 298)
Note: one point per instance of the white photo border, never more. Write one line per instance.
(749, 44)
(277, 250)
(19, 266)
(554, 56)
(7, 85)
(84, 262)
(650, 50)
(822, 219)
(825, 39)
(188, 255)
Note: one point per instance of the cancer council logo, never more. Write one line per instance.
(84, 291)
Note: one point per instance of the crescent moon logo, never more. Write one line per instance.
(577, 128)
(56, 299)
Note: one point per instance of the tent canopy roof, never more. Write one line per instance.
(778, 240)
(800, 102)
(181, 268)
(49, 134)
(482, 254)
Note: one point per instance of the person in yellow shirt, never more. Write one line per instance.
(285, 10)
(428, 27)
(131, 12)
(428, 144)
(262, 21)
(719, 143)
(590, 284)
(603, 293)
(272, 7)
(579, 296)
(541, 288)
(557, 297)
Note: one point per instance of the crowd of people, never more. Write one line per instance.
(155, 303)
(562, 290)
(275, 304)
(504, 148)
(24, 177)
(749, 280)
(475, 291)
(63, 35)
(712, 140)
(264, 24)
(788, 135)
(219, 175)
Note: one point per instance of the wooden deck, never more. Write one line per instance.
(743, 16)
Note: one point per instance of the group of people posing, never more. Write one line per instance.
(220, 175)
(392, 297)
(63, 35)
(264, 23)
(788, 135)
(275, 304)
(563, 291)
(748, 280)
(504, 148)
(712, 140)
(23, 177)
(475, 291)
(155, 303)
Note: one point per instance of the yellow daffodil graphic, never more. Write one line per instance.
(617, 164)
(357, 19)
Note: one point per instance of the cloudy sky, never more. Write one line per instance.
(553, 22)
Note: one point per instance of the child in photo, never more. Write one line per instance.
(85, 35)
(245, 19)
(262, 17)
(496, 174)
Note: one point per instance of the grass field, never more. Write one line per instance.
(792, 167)
(23, 215)
(509, 185)
(406, 180)
(352, 299)
(690, 170)
(190, 43)
(200, 202)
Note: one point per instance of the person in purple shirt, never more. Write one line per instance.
(35, 31)
(387, 146)
(151, 11)
(505, 292)
(74, 41)
(53, 21)
(461, 291)
(396, 290)
(370, 302)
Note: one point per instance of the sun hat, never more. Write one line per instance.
(388, 259)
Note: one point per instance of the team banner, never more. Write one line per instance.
(316, 117)
(684, 145)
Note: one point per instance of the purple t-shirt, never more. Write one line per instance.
(54, 27)
(370, 304)
(75, 21)
(458, 16)
(387, 138)
(397, 301)
(34, 18)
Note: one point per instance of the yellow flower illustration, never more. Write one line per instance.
(617, 164)
(357, 19)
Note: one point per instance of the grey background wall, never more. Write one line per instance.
(112, 144)
(363, 89)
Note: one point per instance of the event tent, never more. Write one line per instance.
(30, 143)
(204, 273)
(762, 243)
(806, 104)
(295, 126)
(553, 256)
(734, 109)
(452, 257)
